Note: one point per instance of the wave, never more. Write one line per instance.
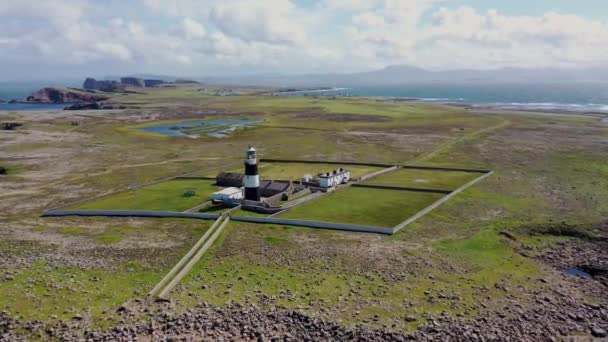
(576, 107)
(307, 91)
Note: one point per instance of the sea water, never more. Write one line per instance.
(582, 97)
(20, 90)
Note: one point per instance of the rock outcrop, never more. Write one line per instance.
(115, 86)
(62, 95)
(185, 81)
(133, 82)
(153, 83)
(104, 85)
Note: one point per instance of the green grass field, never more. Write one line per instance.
(372, 207)
(295, 171)
(428, 179)
(165, 196)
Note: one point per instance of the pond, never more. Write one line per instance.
(220, 128)
(31, 107)
(577, 272)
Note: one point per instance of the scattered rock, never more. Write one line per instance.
(10, 126)
(599, 332)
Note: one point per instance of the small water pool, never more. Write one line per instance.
(32, 107)
(220, 128)
(577, 272)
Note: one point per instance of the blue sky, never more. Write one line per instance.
(211, 37)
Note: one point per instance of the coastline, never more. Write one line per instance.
(599, 111)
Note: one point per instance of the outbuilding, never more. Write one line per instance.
(227, 196)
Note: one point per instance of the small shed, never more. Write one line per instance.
(227, 196)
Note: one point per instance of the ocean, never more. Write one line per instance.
(583, 97)
(20, 90)
(579, 97)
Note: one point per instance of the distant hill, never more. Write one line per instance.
(403, 74)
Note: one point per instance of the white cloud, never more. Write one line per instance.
(193, 29)
(114, 50)
(370, 20)
(331, 35)
(270, 21)
(465, 37)
(349, 5)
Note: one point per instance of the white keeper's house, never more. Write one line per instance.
(334, 178)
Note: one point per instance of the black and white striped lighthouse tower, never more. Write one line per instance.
(252, 178)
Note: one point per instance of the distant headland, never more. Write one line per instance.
(93, 90)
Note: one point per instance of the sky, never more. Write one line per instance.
(74, 38)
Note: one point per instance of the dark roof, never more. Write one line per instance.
(278, 186)
(264, 183)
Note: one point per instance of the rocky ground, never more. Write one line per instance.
(556, 315)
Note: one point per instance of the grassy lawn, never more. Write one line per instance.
(446, 180)
(165, 196)
(373, 207)
(295, 171)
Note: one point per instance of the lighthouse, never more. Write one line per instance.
(252, 178)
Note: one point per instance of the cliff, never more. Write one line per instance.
(153, 83)
(133, 82)
(62, 95)
(103, 85)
